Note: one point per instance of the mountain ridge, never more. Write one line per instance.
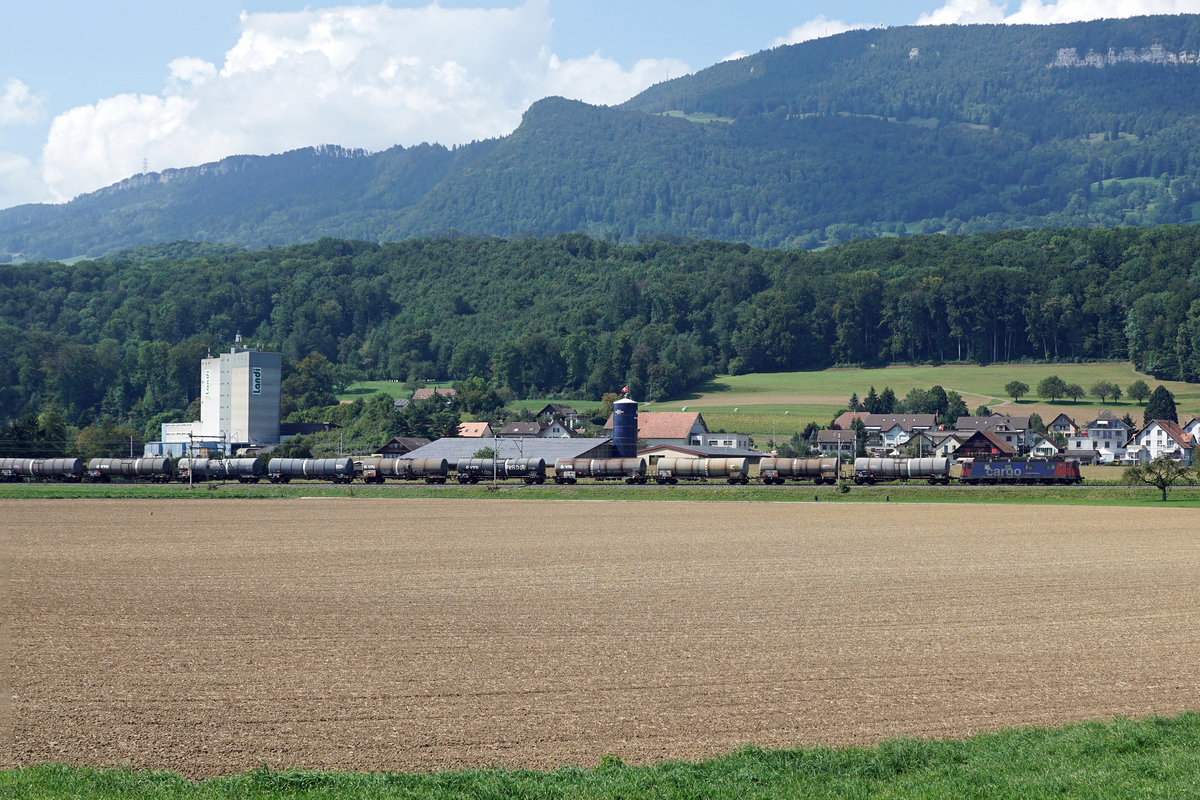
(954, 129)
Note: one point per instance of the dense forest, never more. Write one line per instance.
(121, 338)
(909, 130)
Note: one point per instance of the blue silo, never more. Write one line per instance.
(625, 428)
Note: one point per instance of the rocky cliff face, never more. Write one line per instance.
(1155, 54)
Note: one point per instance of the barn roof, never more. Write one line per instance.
(453, 448)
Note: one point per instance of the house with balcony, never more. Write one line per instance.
(1161, 437)
(1105, 436)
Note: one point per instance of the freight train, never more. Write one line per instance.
(967, 470)
(667, 470)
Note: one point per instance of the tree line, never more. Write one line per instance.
(576, 317)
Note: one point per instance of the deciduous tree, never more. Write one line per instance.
(1163, 473)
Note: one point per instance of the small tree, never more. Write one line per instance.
(1163, 472)
(1073, 391)
(983, 411)
(1101, 390)
(1138, 390)
(1052, 388)
(1016, 390)
(1036, 424)
(955, 407)
(1161, 405)
(860, 437)
(484, 452)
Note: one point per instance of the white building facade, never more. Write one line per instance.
(239, 405)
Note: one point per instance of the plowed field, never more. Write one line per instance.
(211, 636)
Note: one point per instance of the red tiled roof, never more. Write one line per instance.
(472, 429)
(665, 424)
(1173, 430)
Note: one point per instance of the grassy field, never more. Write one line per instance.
(760, 403)
(1152, 758)
(365, 389)
(781, 403)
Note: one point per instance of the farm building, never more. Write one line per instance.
(453, 449)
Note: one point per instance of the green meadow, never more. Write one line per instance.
(1151, 758)
(784, 401)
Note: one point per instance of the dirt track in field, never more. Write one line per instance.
(211, 636)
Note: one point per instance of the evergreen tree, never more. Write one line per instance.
(887, 401)
(1161, 405)
(871, 402)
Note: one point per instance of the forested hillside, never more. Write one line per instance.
(123, 336)
(954, 129)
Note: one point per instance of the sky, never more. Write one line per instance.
(92, 93)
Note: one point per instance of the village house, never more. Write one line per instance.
(1105, 436)
(1043, 447)
(984, 444)
(940, 443)
(831, 442)
(568, 416)
(1064, 425)
(534, 430)
(1013, 431)
(887, 432)
(399, 446)
(1161, 437)
(475, 430)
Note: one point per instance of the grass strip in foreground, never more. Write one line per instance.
(1152, 758)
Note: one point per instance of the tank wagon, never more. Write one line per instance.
(337, 470)
(570, 470)
(1020, 471)
(242, 470)
(671, 469)
(44, 469)
(474, 470)
(155, 470)
(376, 469)
(876, 470)
(779, 470)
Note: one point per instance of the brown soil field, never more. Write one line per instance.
(211, 636)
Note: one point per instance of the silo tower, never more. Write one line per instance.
(625, 428)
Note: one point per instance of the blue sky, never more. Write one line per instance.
(91, 92)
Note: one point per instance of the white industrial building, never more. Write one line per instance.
(239, 405)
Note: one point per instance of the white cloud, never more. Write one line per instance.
(18, 105)
(1030, 12)
(20, 181)
(359, 76)
(816, 29)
